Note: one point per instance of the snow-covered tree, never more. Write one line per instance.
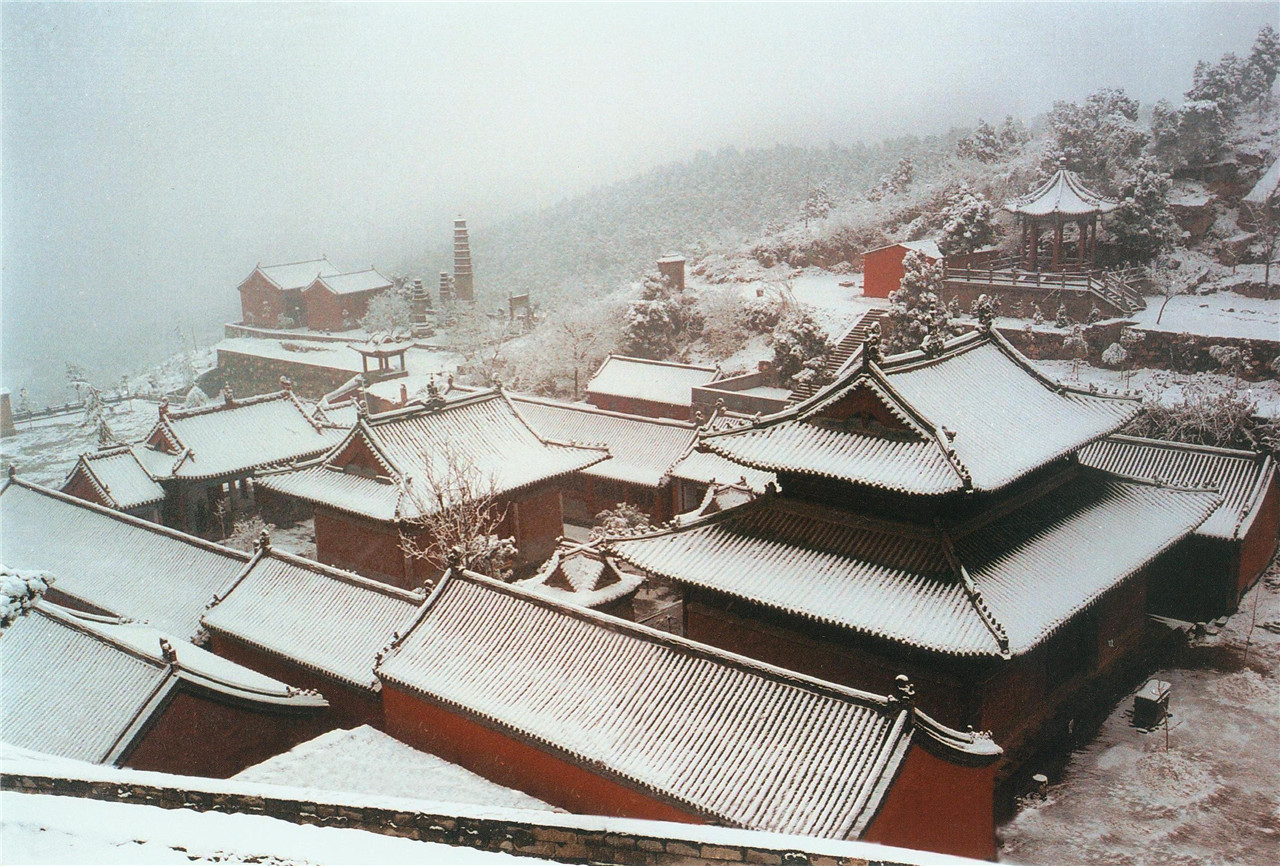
(1076, 348)
(800, 348)
(20, 589)
(388, 314)
(983, 144)
(245, 533)
(1061, 319)
(817, 205)
(915, 308)
(1100, 136)
(967, 223)
(660, 320)
(195, 397)
(1231, 359)
(985, 308)
(459, 515)
(1013, 134)
(1142, 225)
(1265, 58)
(1220, 83)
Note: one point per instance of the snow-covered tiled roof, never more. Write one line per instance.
(322, 618)
(112, 561)
(233, 438)
(480, 433)
(69, 692)
(352, 283)
(580, 574)
(928, 247)
(1240, 477)
(653, 381)
(740, 742)
(1027, 570)
(978, 417)
(120, 478)
(85, 687)
(706, 467)
(641, 450)
(296, 275)
(1063, 195)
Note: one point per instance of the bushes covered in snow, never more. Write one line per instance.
(19, 591)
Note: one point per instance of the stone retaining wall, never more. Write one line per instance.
(253, 374)
(564, 838)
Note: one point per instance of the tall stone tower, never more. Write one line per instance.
(419, 307)
(463, 287)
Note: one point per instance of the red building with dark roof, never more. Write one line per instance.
(636, 386)
(337, 302)
(271, 296)
(394, 468)
(933, 519)
(598, 715)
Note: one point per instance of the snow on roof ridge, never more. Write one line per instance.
(235, 403)
(69, 619)
(342, 574)
(965, 742)
(138, 522)
(635, 360)
(1173, 445)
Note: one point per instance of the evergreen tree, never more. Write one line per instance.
(800, 349)
(983, 144)
(1265, 57)
(914, 307)
(1142, 224)
(967, 223)
(1100, 137)
(659, 321)
(817, 205)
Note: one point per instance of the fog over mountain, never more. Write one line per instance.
(152, 154)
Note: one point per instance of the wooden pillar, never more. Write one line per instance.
(1026, 253)
(1035, 246)
(1057, 244)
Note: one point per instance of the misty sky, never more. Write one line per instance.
(152, 154)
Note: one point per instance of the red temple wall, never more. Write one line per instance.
(517, 764)
(882, 271)
(80, 487)
(935, 805)
(1259, 544)
(538, 519)
(198, 735)
(349, 707)
(633, 406)
(324, 309)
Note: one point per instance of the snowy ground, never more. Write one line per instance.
(1164, 385)
(366, 761)
(45, 450)
(44, 829)
(297, 538)
(1212, 797)
(1221, 314)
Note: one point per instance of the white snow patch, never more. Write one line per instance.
(1221, 314)
(1165, 386)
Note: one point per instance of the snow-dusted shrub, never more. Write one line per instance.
(1095, 315)
(800, 348)
(1037, 315)
(722, 314)
(246, 532)
(19, 591)
(761, 315)
(195, 397)
(1231, 359)
(1208, 415)
(388, 313)
(1062, 320)
(1114, 355)
(985, 308)
(623, 519)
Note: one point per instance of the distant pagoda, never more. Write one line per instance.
(419, 306)
(446, 288)
(463, 285)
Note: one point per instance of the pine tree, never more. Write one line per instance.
(914, 306)
(1265, 57)
(1142, 224)
(967, 223)
(983, 144)
(800, 349)
(659, 321)
(817, 205)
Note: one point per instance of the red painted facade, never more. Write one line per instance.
(326, 311)
(882, 271)
(517, 764)
(201, 732)
(262, 303)
(1259, 544)
(1016, 700)
(534, 518)
(585, 496)
(633, 406)
(349, 706)
(936, 805)
(81, 487)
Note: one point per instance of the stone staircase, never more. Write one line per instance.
(844, 351)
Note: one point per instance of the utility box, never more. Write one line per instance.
(1151, 704)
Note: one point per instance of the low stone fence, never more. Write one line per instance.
(1180, 352)
(546, 835)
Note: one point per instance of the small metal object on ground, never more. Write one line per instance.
(1151, 704)
(1040, 785)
